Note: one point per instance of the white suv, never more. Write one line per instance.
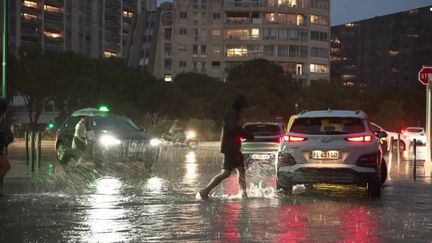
(331, 146)
(417, 133)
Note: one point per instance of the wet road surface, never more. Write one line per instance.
(126, 202)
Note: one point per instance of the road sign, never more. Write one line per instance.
(425, 75)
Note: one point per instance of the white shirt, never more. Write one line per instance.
(80, 130)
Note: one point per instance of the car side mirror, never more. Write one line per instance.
(382, 134)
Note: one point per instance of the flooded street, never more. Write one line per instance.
(126, 202)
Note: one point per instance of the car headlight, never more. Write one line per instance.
(155, 142)
(190, 134)
(108, 140)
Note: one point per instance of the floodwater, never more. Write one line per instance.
(128, 203)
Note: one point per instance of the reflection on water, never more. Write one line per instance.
(106, 218)
(154, 184)
(190, 165)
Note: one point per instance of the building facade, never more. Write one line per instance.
(96, 28)
(210, 36)
(383, 50)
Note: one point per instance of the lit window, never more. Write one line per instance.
(216, 32)
(110, 54)
(255, 33)
(29, 16)
(168, 78)
(320, 20)
(236, 51)
(52, 9)
(350, 25)
(30, 4)
(318, 68)
(52, 34)
(127, 14)
(393, 53)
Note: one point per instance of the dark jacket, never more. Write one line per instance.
(232, 133)
(6, 137)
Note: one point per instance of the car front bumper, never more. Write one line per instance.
(333, 174)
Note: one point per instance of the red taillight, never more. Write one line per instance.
(288, 138)
(366, 138)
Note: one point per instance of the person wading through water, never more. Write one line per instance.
(232, 133)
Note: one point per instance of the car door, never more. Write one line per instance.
(69, 131)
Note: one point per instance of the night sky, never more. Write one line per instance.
(344, 11)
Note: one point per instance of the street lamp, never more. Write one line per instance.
(4, 47)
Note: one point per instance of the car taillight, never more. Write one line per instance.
(368, 160)
(288, 138)
(366, 138)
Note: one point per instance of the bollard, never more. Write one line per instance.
(38, 149)
(415, 159)
(32, 150)
(398, 150)
(26, 138)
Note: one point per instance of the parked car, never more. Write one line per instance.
(417, 133)
(115, 137)
(331, 146)
(404, 142)
(264, 146)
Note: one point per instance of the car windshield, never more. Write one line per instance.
(114, 123)
(415, 129)
(328, 125)
(263, 129)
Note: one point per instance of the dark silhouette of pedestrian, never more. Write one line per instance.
(232, 133)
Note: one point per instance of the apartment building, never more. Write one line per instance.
(211, 36)
(96, 28)
(389, 49)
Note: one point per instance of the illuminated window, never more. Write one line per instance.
(255, 33)
(29, 16)
(270, 17)
(350, 25)
(168, 78)
(237, 34)
(236, 51)
(216, 32)
(52, 9)
(320, 20)
(127, 14)
(110, 54)
(52, 34)
(30, 4)
(393, 53)
(318, 68)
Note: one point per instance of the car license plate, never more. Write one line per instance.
(260, 156)
(326, 155)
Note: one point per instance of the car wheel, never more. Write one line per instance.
(383, 171)
(285, 187)
(374, 188)
(62, 155)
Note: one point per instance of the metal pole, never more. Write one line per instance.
(428, 123)
(415, 160)
(26, 137)
(32, 151)
(398, 150)
(391, 151)
(38, 149)
(5, 48)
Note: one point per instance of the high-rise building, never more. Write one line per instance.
(210, 36)
(389, 49)
(96, 28)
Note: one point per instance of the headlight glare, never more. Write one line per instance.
(155, 142)
(108, 140)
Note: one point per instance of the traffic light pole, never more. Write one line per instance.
(5, 48)
(428, 122)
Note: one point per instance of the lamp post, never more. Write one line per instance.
(5, 48)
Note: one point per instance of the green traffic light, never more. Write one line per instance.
(103, 108)
(51, 125)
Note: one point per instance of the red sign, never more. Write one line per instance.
(425, 75)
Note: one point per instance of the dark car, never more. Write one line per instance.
(114, 137)
(265, 144)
